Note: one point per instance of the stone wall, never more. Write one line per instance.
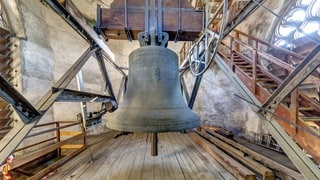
(262, 22)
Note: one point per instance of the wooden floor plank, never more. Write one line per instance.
(175, 170)
(202, 161)
(82, 161)
(138, 156)
(128, 157)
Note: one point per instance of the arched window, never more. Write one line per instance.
(303, 16)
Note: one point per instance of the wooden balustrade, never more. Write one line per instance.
(260, 81)
(59, 140)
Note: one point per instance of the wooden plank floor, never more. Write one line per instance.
(128, 157)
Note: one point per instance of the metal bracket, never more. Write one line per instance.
(126, 28)
(160, 21)
(177, 37)
(146, 22)
(26, 111)
(179, 32)
(97, 27)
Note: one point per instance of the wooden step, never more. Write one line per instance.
(5, 38)
(4, 104)
(4, 131)
(264, 80)
(268, 85)
(5, 57)
(241, 63)
(6, 70)
(5, 47)
(313, 119)
(8, 77)
(245, 66)
(5, 121)
(5, 112)
(306, 109)
(3, 32)
(238, 59)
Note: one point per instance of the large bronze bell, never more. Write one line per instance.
(153, 101)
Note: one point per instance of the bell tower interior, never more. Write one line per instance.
(159, 89)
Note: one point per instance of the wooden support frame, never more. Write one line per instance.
(114, 22)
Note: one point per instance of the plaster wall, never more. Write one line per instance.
(35, 66)
(217, 105)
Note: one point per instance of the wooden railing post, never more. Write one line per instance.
(58, 137)
(254, 70)
(286, 60)
(237, 48)
(294, 108)
(232, 53)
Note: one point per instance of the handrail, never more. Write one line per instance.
(52, 129)
(269, 57)
(288, 52)
(276, 61)
(55, 129)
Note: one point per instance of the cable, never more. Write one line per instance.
(114, 65)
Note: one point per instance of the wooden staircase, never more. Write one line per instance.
(299, 113)
(6, 72)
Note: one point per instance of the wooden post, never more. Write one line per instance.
(58, 137)
(232, 53)
(237, 45)
(254, 71)
(154, 144)
(294, 108)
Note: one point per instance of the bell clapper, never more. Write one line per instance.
(154, 144)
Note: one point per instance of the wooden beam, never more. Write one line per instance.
(266, 173)
(255, 155)
(113, 19)
(233, 166)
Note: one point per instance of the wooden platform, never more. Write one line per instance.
(128, 157)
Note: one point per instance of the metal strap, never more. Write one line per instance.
(146, 20)
(126, 28)
(160, 21)
(179, 32)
